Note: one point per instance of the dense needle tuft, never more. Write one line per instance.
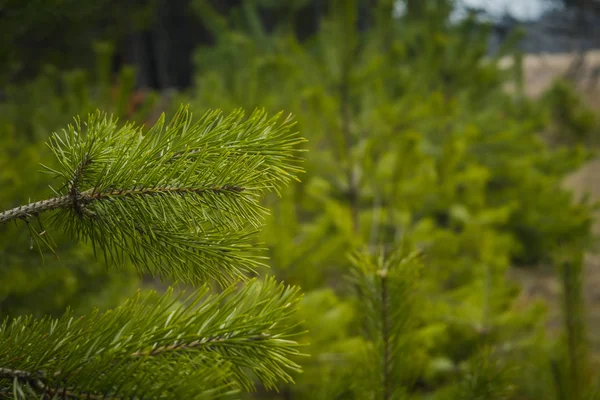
(181, 199)
(157, 346)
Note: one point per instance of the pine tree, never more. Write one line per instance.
(181, 201)
(422, 168)
(413, 140)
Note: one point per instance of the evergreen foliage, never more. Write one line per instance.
(385, 289)
(35, 33)
(183, 191)
(574, 122)
(412, 137)
(177, 200)
(156, 347)
(427, 182)
(76, 279)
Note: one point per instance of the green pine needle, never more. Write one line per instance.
(179, 200)
(157, 346)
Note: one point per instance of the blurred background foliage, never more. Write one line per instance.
(422, 142)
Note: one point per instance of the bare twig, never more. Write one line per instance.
(78, 200)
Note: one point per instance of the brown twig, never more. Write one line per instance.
(78, 201)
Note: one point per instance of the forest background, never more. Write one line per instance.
(430, 132)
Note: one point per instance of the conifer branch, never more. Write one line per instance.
(77, 201)
(204, 342)
(34, 209)
(199, 347)
(386, 285)
(36, 382)
(185, 191)
(385, 333)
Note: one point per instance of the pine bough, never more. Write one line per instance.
(180, 200)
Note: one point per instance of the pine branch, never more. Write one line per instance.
(385, 335)
(34, 209)
(185, 191)
(386, 286)
(570, 262)
(199, 347)
(35, 382)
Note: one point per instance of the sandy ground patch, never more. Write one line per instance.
(540, 71)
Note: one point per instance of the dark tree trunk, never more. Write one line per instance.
(162, 54)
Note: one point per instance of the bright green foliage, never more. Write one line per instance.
(177, 201)
(156, 346)
(184, 191)
(29, 114)
(386, 303)
(485, 379)
(411, 135)
(334, 351)
(414, 144)
(68, 93)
